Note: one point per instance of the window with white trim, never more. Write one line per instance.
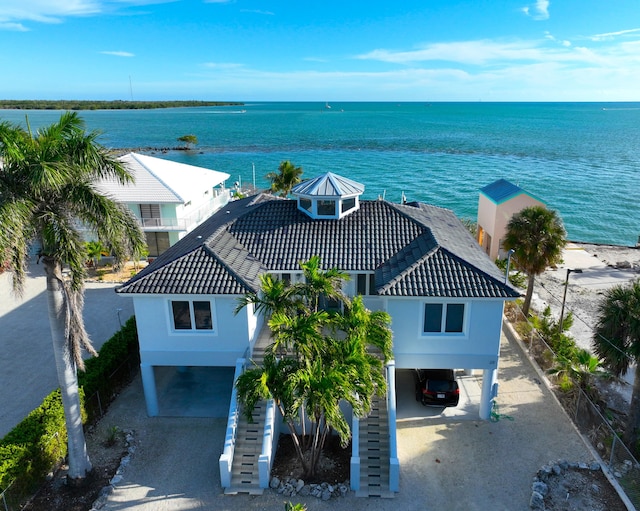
(192, 315)
(326, 207)
(443, 318)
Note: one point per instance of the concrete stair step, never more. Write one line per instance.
(249, 489)
(244, 468)
(374, 452)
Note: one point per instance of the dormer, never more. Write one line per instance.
(328, 196)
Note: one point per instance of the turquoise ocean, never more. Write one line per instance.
(582, 159)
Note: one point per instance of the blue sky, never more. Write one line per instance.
(402, 50)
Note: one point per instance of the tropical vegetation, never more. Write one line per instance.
(318, 359)
(616, 341)
(285, 179)
(188, 140)
(48, 197)
(537, 237)
(44, 104)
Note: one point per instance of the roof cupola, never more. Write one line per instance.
(328, 196)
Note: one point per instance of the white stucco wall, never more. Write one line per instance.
(161, 345)
(478, 347)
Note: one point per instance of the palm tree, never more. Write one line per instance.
(47, 194)
(320, 285)
(285, 179)
(616, 341)
(537, 236)
(317, 360)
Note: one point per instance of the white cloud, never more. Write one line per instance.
(513, 81)
(45, 11)
(613, 35)
(14, 27)
(118, 53)
(258, 11)
(538, 11)
(478, 52)
(550, 36)
(13, 12)
(222, 65)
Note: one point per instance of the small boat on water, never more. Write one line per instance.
(327, 105)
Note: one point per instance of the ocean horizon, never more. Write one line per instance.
(582, 159)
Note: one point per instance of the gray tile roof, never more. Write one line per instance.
(414, 250)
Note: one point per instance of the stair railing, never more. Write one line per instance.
(394, 463)
(226, 458)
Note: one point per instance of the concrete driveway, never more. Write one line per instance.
(447, 462)
(27, 368)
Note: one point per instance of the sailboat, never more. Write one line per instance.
(327, 105)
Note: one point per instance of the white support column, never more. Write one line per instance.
(489, 377)
(150, 391)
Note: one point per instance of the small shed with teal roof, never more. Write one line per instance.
(497, 203)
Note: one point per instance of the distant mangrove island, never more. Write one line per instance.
(64, 104)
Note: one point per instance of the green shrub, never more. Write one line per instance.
(97, 376)
(34, 446)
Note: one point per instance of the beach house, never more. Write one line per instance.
(169, 198)
(415, 261)
(497, 203)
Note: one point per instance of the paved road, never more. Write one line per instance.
(449, 461)
(27, 368)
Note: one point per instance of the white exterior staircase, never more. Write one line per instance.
(244, 473)
(245, 477)
(374, 452)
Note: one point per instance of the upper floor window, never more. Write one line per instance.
(192, 315)
(326, 208)
(348, 204)
(289, 277)
(443, 317)
(366, 284)
(305, 203)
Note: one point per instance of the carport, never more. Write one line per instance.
(408, 409)
(193, 391)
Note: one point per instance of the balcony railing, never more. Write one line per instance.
(189, 221)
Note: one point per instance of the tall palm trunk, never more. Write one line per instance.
(632, 430)
(527, 298)
(79, 463)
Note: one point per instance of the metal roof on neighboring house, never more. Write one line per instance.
(328, 185)
(502, 190)
(160, 181)
(413, 249)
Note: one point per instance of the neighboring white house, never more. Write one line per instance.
(169, 198)
(415, 261)
(497, 203)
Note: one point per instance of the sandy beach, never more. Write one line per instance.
(603, 266)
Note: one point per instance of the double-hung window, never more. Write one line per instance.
(443, 318)
(192, 315)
